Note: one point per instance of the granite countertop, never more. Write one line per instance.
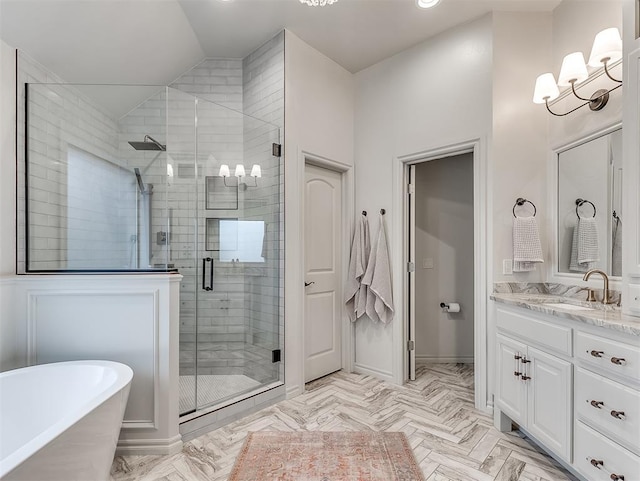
(593, 313)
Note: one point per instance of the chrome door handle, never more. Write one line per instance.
(307, 284)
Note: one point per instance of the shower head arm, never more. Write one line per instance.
(151, 139)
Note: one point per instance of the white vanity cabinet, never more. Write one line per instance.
(572, 386)
(533, 381)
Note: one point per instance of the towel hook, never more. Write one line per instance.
(521, 201)
(383, 212)
(364, 212)
(580, 203)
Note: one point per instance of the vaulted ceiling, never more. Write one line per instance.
(154, 41)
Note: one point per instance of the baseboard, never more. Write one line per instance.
(293, 391)
(143, 447)
(372, 371)
(443, 360)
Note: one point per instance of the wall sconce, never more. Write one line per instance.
(607, 48)
(240, 173)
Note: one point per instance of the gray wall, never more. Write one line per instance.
(444, 237)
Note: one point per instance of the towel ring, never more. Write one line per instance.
(520, 201)
(580, 203)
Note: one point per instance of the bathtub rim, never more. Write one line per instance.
(124, 375)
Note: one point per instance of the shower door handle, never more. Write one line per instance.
(204, 274)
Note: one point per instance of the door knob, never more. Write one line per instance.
(307, 284)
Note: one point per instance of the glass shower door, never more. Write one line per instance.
(238, 269)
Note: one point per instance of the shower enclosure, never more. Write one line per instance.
(152, 179)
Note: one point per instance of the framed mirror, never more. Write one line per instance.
(589, 205)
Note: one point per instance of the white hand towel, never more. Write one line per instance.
(378, 278)
(527, 249)
(363, 261)
(587, 241)
(573, 263)
(357, 267)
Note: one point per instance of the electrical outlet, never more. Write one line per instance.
(507, 267)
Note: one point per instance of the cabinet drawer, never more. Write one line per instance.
(599, 402)
(539, 332)
(599, 458)
(612, 356)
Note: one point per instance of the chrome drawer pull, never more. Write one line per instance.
(524, 377)
(596, 463)
(596, 404)
(618, 414)
(516, 373)
(620, 361)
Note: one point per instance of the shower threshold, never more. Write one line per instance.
(212, 388)
(224, 412)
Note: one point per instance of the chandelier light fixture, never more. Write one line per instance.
(607, 48)
(318, 3)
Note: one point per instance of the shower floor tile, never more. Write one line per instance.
(212, 388)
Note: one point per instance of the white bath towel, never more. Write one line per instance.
(379, 305)
(360, 247)
(573, 263)
(527, 249)
(587, 241)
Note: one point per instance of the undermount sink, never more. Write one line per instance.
(569, 307)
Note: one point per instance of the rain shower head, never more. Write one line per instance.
(149, 143)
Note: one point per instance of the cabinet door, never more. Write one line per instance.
(511, 390)
(550, 401)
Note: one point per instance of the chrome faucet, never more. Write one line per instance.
(606, 299)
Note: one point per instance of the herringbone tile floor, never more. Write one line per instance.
(451, 440)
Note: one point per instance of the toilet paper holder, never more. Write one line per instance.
(450, 307)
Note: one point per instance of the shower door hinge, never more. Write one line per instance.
(411, 189)
(276, 150)
(276, 355)
(411, 345)
(411, 266)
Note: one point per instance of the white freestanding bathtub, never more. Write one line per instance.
(61, 421)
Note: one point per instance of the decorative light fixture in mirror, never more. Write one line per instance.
(589, 206)
(607, 48)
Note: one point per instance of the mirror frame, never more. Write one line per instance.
(554, 275)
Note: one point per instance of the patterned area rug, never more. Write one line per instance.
(326, 456)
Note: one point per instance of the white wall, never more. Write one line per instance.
(7, 158)
(444, 236)
(435, 94)
(519, 152)
(319, 99)
(9, 348)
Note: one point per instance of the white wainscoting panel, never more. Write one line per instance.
(115, 325)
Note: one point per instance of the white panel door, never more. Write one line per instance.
(323, 267)
(549, 410)
(511, 393)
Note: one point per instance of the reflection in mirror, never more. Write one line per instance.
(589, 206)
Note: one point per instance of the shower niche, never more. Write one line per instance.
(126, 179)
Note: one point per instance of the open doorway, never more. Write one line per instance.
(441, 231)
